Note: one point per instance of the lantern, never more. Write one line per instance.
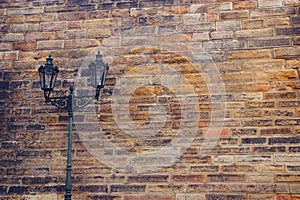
(98, 71)
(48, 74)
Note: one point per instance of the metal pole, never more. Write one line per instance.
(70, 106)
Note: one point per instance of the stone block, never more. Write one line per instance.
(253, 24)
(128, 188)
(188, 196)
(270, 3)
(185, 178)
(25, 46)
(248, 54)
(18, 19)
(13, 37)
(287, 52)
(253, 33)
(26, 11)
(234, 15)
(245, 5)
(80, 43)
(228, 25)
(50, 44)
(10, 55)
(99, 33)
(54, 26)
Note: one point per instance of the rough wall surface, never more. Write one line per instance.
(215, 81)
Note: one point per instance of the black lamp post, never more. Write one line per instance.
(48, 73)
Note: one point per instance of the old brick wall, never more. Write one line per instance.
(216, 79)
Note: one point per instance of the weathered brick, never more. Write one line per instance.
(273, 168)
(287, 158)
(283, 140)
(77, 43)
(189, 19)
(100, 23)
(228, 25)
(15, 19)
(283, 122)
(227, 15)
(225, 196)
(25, 46)
(176, 10)
(54, 26)
(296, 40)
(99, 33)
(36, 180)
(252, 33)
(196, 168)
(269, 3)
(262, 196)
(217, 35)
(277, 75)
(273, 21)
(259, 140)
(223, 45)
(26, 11)
(226, 177)
(288, 103)
(185, 196)
(128, 188)
(276, 131)
(148, 178)
(148, 196)
(244, 131)
(256, 87)
(211, 7)
(40, 18)
(13, 37)
(23, 28)
(248, 54)
(280, 95)
(10, 55)
(288, 31)
(295, 20)
(188, 178)
(268, 149)
(50, 44)
(35, 36)
(270, 12)
(272, 188)
(258, 122)
(245, 5)
(205, 26)
(220, 187)
(18, 189)
(290, 2)
(269, 42)
(254, 24)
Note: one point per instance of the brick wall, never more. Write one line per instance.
(201, 100)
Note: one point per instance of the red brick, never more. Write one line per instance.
(25, 46)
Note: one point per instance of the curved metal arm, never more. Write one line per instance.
(71, 101)
(59, 102)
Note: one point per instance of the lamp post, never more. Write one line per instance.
(48, 74)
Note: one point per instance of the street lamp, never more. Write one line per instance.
(48, 74)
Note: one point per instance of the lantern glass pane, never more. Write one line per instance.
(100, 75)
(54, 79)
(48, 79)
(92, 69)
(42, 79)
